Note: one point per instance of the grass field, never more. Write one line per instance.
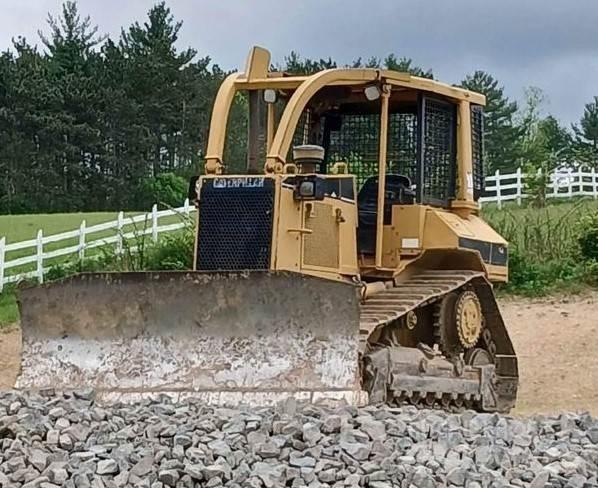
(17, 228)
(544, 233)
(23, 227)
(8, 308)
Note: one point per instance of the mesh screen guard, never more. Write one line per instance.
(477, 146)
(421, 143)
(357, 143)
(436, 151)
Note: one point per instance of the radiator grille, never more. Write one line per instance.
(321, 247)
(235, 224)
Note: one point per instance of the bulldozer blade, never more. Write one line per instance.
(224, 338)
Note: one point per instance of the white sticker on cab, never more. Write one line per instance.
(410, 243)
(469, 181)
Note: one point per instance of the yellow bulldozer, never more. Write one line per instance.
(348, 263)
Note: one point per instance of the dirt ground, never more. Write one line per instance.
(10, 350)
(556, 340)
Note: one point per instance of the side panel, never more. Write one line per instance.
(287, 248)
(331, 244)
(317, 237)
(348, 237)
(407, 228)
(321, 247)
(445, 230)
(419, 228)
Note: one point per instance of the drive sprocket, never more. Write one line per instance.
(468, 318)
(458, 322)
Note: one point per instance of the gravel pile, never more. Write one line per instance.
(50, 441)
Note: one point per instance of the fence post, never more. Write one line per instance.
(497, 183)
(570, 180)
(594, 183)
(40, 256)
(155, 223)
(82, 240)
(119, 233)
(539, 174)
(2, 253)
(519, 185)
(186, 207)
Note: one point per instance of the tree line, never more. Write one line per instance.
(88, 122)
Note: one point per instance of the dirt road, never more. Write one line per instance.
(556, 340)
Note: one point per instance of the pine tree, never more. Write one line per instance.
(87, 122)
(124, 132)
(155, 68)
(26, 97)
(557, 139)
(295, 64)
(406, 65)
(502, 134)
(586, 134)
(391, 62)
(72, 142)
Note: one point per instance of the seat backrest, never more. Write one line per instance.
(394, 183)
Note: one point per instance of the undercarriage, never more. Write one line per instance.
(437, 340)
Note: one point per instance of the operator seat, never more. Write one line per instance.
(398, 192)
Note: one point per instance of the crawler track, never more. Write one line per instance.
(450, 384)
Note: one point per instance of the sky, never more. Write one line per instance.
(550, 44)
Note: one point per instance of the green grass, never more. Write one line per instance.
(16, 228)
(542, 234)
(571, 209)
(23, 227)
(544, 255)
(8, 308)
(554, 207)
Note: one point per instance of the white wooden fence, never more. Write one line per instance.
(500, 188)
(564, 183)
(123, 228)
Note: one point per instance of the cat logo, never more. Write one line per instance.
(245, 182)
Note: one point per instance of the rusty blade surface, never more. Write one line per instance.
(236, 335)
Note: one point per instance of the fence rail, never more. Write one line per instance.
(123, 228)
(500, 188)
(567, 183)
